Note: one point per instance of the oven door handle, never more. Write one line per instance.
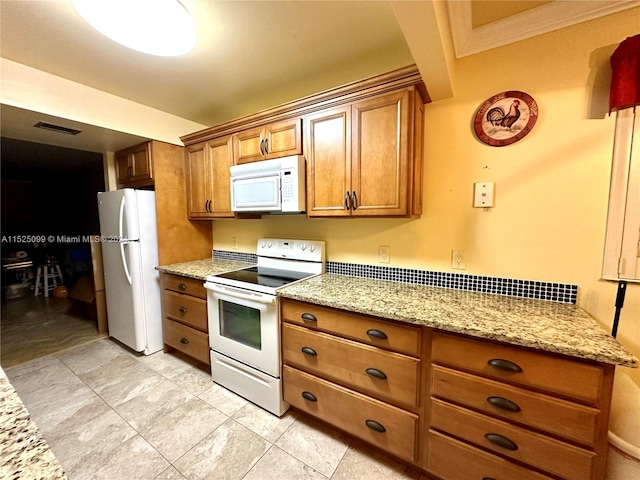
(238, 293)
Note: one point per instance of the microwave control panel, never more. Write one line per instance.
(292, 184)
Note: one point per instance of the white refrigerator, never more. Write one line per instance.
(130, 255)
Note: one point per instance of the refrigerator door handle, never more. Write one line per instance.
(124, 263)
(120, 220)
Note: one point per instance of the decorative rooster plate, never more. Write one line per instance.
(505, 118)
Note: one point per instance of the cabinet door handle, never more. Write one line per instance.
(308, 317)
(354, 200)
(309, 351)
(182, 287)
(504, 404)
(375, 333)
(347, 201)
(309, 396)
(266, 146)
(374, 372)
(505, 365)
(182, 310)
(184, 341)
(501, 441)
(373, 425)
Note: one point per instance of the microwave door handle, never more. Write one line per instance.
(271, 173)
(238, 293)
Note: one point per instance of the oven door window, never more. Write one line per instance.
(240, 324)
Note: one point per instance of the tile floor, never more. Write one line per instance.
(110, 414)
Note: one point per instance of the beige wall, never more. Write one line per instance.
(551, 187)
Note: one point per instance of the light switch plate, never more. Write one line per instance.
(483, 194)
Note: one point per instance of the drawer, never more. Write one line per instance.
(560, 417)
(380, 333)
(384, 374)
(569, 378)
(553, 456)
(187, 340)
(185, 309)
(394, 430)
(470, 463)
(186, 285)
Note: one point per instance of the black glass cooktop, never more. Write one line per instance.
(253, 276)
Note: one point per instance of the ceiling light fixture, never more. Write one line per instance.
(157, 27)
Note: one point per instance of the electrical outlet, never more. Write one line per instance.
(384, 252)
(457, 260)
(234, 243)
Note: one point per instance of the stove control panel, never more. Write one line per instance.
(293, 249)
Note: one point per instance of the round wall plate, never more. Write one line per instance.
(505, 118)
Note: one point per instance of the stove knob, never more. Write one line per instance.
(304, 247)
(312, 248)
(269, 245)
(263, 244)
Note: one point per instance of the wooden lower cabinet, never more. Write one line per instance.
(184, 316)
(450, 459)
(457, 407)
(387, 375)
(543, 412)
(346, 370)
(379, 423)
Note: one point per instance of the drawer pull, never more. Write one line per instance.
(308, 317)
(504, 404)
(505, 365)
(488, 478)
(501, 441)
(309, 351)
(374, 372)
(182, 287)
(372, 332)
(373, 425)
(182, 310)
(309, 396)
(184, 340)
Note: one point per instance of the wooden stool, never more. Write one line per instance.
(50, 275)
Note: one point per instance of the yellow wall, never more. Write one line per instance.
(551, 187)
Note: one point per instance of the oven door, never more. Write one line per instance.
(244, 325)
(256, 193)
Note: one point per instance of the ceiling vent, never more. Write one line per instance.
(57, 128)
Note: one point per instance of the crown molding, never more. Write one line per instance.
(543, 19)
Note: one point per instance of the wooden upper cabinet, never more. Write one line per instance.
(363, 144)
(275, 140)
(207, 176)
(380, 162)
(328, 154)
(134, 166)
(365, 158)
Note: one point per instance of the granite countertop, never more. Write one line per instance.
(554, 327)
(23, 451)
(199, 269)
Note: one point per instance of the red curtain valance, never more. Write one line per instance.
(625, 75)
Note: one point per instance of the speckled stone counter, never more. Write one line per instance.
(554, 327)
(199, 269)
(23, 452)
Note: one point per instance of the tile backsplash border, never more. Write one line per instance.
(512, 287)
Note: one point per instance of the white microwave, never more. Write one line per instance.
(269, 186)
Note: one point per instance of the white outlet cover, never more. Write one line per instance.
(483, 194)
